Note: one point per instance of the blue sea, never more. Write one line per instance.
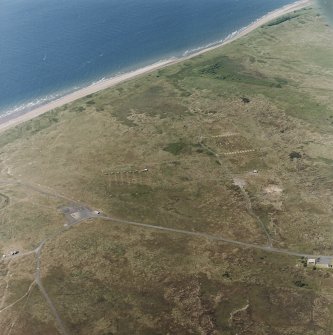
(51, 47)
(326, 6)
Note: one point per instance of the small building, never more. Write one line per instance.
(321, 262)
(311, 261)
(324, 262)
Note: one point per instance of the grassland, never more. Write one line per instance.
(177, 148)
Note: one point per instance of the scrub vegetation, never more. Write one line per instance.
(236, 143)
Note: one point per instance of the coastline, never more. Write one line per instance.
(15, 119)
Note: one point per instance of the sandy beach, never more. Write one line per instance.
(15, 119)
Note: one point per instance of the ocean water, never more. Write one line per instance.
(51, 47)
(326, 6)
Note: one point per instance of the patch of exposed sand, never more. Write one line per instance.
(273, 189)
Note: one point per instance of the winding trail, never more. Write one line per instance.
(255, 216)
(21, 298)
(59, 321)
(232, 314)
(246, 197)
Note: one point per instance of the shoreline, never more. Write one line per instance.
(14, 119)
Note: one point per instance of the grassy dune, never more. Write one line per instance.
(178, 148)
